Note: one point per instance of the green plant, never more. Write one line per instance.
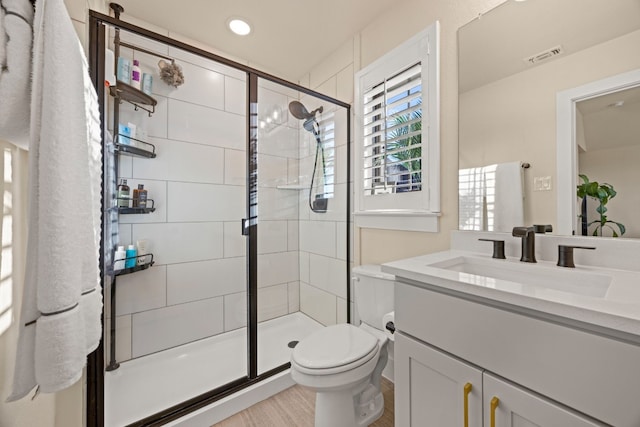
(603, 193)
(406, 146)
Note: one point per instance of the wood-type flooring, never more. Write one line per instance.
(294, 407)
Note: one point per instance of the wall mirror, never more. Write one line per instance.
(514, 61)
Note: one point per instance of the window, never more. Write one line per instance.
(392, 143)
(477, 198)
(397, 137)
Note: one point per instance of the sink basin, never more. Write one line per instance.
(525, 278)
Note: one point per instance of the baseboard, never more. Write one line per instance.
(224, 408)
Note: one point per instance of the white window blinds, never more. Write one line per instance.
(397, 137)
(392, 131)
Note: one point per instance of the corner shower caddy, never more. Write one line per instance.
(123, 92)
(147, 262)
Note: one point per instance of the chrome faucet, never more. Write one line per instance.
(528, 236)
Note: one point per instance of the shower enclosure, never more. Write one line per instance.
(244, 233)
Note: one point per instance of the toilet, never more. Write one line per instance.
(343, 363)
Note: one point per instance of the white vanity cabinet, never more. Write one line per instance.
(436, 389)
(543, 374)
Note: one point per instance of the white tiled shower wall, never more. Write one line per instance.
(333, 76)
(196, 287)
(323, 237)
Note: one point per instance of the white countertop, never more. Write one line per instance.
(612, 309)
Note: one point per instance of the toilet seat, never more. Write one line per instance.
(335, 349)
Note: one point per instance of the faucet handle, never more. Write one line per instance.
(565, 255)
(521, 231)
(542, 228)
(498, 248)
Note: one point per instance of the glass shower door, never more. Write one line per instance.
(181, 323)
(301, 237)
(221, 304)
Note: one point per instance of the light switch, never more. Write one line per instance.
(541, 183)
(546, 183)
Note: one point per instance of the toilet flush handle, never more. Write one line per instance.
(390, 327)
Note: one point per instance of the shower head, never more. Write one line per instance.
(300, 112)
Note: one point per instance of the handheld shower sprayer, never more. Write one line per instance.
(300, 112)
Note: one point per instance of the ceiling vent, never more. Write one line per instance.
(543, 56)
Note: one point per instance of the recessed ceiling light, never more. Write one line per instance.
(239, 26)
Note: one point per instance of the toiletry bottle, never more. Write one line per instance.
(136, 74)
(142, 250)
(133, 134)
(140, 197)
(136, 198)
(118, 258)
(123, 194)
(124, 134)
(109, 68)
(147, 82)
(124, 70)
(131, 260)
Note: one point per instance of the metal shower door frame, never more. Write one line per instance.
(96, 363)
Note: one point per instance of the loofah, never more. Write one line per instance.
(171, 73)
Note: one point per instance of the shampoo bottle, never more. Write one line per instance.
(140, 197)
(123, 194)
(136, 74)
(131, 260)
(118, 258)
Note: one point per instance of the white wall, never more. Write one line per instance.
(335, 75)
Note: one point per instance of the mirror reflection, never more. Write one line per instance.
(513, 61)
(608, 139)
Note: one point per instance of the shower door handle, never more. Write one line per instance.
(248, 222)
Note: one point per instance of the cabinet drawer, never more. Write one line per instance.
(590, 373)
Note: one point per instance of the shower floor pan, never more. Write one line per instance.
(149, 384)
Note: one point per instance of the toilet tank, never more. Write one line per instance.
(373, 291)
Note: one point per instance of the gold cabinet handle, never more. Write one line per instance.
(467, 389)
(494, 405)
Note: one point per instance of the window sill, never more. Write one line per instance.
(404, 220)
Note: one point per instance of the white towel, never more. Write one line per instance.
(62, 286)
(59, 350)
(16, 18)
(509, 203)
